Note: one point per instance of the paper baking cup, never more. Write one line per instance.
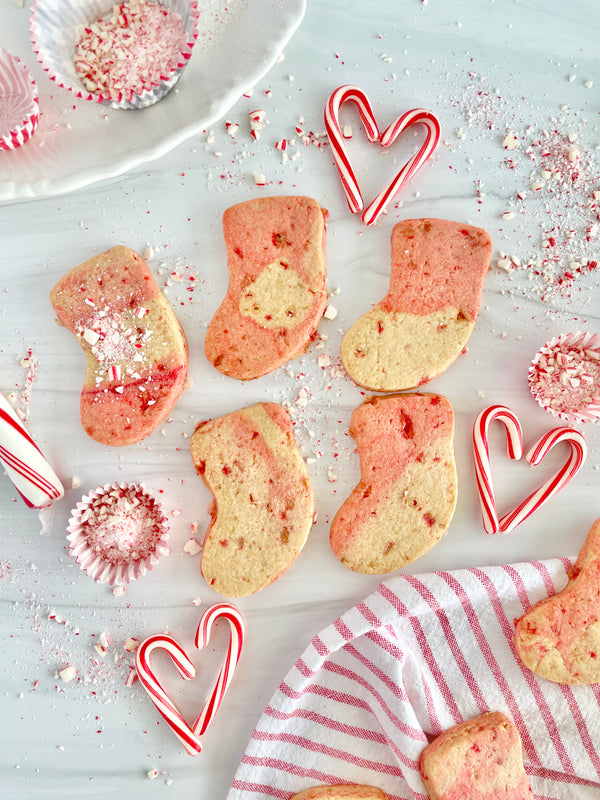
(107, 563)
(56, 27)
(19, 107)
(568, 388)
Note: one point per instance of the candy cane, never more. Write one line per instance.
(481, 455)
(236, 624)
(157, 694)
(566, 473)
(413, 165)
(25, 465)
(344, 94)
(190, 736)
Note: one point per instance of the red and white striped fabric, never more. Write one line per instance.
(419, 655)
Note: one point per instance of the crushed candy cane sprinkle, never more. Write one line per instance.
(135, 46)
(122, 525)
(114, 339)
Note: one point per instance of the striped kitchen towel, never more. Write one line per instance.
(419, 655)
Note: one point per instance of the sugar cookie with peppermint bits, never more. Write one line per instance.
(137, 355)
(405, 499)
(424, 321)
(480, 759)
(341, 792)
(263, 500)
(277, 285)
(559, 637)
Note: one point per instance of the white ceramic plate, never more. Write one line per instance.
(79, 142)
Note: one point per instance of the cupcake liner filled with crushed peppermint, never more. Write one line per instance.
(117, 533)
(135, 46)
(564, 377)
(19, 106)
(130, 57)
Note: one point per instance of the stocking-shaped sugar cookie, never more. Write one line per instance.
(263, 507)
(137, 354)
(480, 759)
(427, 316)
(277, 285)
(559, 637)
(406, 496)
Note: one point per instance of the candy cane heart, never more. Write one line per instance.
(554, 484)
(415, 116)
(190, 736)
(481, 455)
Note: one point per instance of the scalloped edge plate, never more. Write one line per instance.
(79, 142)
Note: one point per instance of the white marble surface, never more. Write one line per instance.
(485, 68)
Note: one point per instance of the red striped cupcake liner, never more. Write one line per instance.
(564, 377)
(56, 27)
(117, 533)
(19, 105)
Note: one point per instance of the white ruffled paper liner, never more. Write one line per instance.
(95, 565)
(56, 27)
(19, 106)
(576, 341)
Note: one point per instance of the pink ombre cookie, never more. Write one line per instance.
(136, 351)
(481, 759)
(277, 285)
(406, 496)
(263, 501)
(559, 637)
(426, 318)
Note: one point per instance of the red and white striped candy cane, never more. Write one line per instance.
(236, 640)
(345, 94)
(553, 485)
(417, 116)
(157, 694)
(25, 465)
(481, 456)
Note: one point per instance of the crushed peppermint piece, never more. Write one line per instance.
(257, 122)
(91, 337)
(132, 677)
(152, 774)
(330, 312)
(130, 49)
(231, 128)
(192, 547)
(67, 674)
(259, 179)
